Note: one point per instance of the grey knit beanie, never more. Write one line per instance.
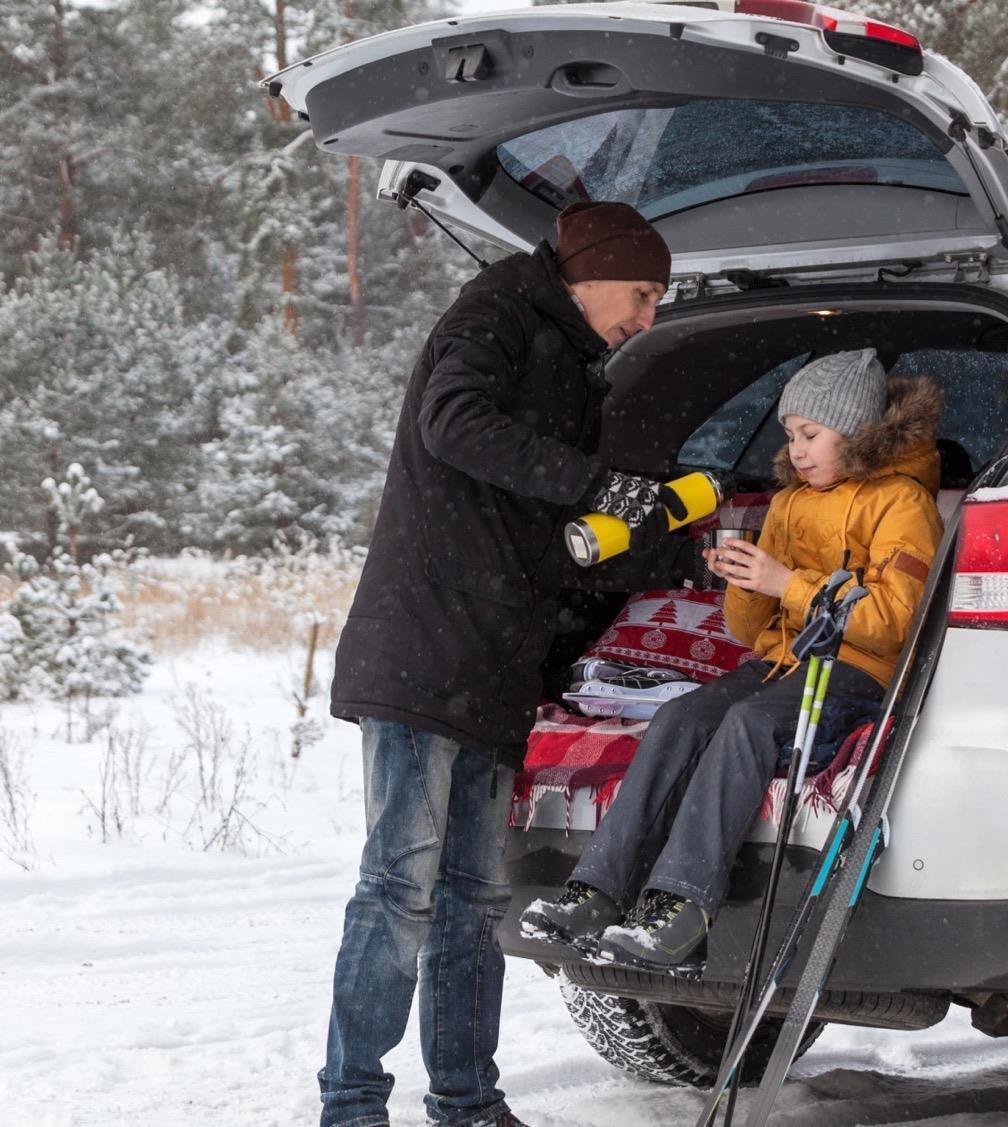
(842, 391)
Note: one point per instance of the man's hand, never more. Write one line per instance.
(642, 504)
(749, 567)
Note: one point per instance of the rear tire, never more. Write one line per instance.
(664, 1043)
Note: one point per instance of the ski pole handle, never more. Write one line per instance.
(842, 613)
(826, 595)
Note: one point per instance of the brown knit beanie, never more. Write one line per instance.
(601, 242)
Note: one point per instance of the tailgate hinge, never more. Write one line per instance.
(973, 267)
(959, 125)
(689, 287)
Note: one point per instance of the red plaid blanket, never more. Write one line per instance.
(568, 753)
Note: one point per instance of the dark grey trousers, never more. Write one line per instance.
(698, 779)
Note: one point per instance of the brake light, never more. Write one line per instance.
(980, 584)
(891, 34)
(844, 32)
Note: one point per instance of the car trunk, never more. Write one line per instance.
(700, 357)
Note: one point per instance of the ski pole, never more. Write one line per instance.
(820, 642)
(751, 974)
(818, 616)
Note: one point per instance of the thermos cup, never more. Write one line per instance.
(596, 537)
(715, 539)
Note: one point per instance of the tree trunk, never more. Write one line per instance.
(353, 235)
(288, 275)
(291, 251)
(280, 40)
(67, 171)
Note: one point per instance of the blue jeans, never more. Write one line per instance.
(431, 894)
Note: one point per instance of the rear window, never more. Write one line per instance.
(976, 398)
(744, 435)
(665, 160)
(737, 427)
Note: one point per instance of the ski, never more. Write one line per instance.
(888, 743)
(869, 840)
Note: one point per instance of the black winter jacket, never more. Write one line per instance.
(457, 603)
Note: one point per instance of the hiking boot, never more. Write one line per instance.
(504, 1119)
(660, 933)
(578, 912)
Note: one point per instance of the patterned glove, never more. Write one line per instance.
(641, 503)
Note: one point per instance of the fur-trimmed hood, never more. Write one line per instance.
(902, 441)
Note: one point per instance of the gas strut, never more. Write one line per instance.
(418, 181)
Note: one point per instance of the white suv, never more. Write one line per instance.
(823, 184)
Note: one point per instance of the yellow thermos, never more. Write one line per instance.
(596, 537)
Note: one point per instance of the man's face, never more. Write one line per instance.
(619, 310)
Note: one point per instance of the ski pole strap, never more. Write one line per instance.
(826, 595)
(823, 634)
(815, 639)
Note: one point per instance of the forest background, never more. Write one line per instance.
(212, 318)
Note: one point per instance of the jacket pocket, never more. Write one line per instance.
(507, 591)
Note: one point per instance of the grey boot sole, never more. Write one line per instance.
(691, 967)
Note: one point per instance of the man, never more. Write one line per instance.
(440, 655)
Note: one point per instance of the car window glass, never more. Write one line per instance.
(720, 442)
(667, 159)
(976, 396)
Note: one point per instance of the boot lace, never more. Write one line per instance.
(655, 909)
(576, 893)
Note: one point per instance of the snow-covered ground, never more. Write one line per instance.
(145, 980)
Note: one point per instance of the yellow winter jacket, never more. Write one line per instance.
(884, 512)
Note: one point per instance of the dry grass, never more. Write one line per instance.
(250, 603)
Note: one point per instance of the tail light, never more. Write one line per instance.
(844, 32)
(980, 585)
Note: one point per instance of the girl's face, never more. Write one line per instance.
(814, 451)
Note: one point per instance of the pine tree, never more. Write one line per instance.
(71, 502)
(305, 439)
(100, 365)
(59, 635)
(66, 643)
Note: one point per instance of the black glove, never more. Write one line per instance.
(641, 503)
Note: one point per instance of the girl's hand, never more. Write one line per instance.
(748, 567)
